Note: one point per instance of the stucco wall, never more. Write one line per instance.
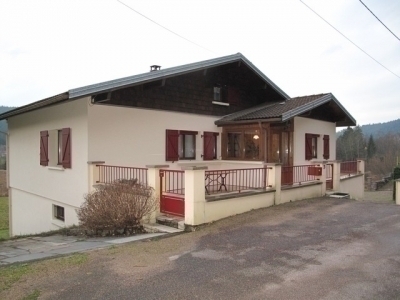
(34, 214)
(300, 193)
(216, 210)
(303, 126)
(136, 137)
(36, 188)
(354, 186)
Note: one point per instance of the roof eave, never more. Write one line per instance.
(252, 121)
(309, 106)
(35, 105)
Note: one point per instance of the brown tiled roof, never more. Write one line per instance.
(284, 110)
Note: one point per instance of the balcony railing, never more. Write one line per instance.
(349, 168)
(297, 175)
(235, 180)
(110, 174)
(172, 182)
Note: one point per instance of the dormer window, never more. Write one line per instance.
(217, 93)
(220, 97)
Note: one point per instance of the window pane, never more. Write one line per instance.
(275, 155)
(252, 144)
(285, 148)
(189, 146)
(233, 144)
(59, 147)
(180, 146)
(314, 146)
(217, 93)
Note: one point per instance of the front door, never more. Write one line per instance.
(281, 151)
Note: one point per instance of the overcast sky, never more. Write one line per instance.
(49, 47)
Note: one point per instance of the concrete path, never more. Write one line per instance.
(37, 247)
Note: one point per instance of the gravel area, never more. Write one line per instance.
(312, 249)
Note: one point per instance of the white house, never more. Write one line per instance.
(219, 113)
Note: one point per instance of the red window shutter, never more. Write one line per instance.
(209, 146)
(308, 146)
(66, 147)
(326, 146)
(44, 148)
(171, 145)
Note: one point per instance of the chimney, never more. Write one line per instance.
(154, 68)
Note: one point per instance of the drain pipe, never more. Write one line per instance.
(8, 182)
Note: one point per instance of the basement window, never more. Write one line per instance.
(58, 213)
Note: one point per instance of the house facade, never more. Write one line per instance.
(221, 113)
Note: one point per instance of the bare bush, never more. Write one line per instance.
(117, 208)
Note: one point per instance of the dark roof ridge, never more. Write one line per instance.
(101, 87)
(168, 72)
(285, 110)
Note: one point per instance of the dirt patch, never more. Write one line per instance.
(3, 183)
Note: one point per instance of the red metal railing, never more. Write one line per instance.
(172, 182)
(235, 180)
(298, 174)
(349, 167)
(109, 174)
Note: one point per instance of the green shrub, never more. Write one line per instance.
(117, 208)
(396, 173)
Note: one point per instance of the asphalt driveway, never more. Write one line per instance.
(312, 249)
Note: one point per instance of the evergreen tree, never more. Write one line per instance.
(371, 148)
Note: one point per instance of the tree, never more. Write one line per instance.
(371, 148)
(351, 144)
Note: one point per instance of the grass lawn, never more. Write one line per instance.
(4, 218)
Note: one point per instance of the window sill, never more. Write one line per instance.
(58, 223)
(220, 103)
(56, 168)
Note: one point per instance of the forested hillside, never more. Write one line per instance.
(382, 153)
(3, 124)
(378, 129)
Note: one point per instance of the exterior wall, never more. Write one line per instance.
(303, 126)
(126, 136)
(216, 210)
(353, 185)
(33, 213)
(300, 193)
(194, 92)
(35, 188)
(199, 211)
